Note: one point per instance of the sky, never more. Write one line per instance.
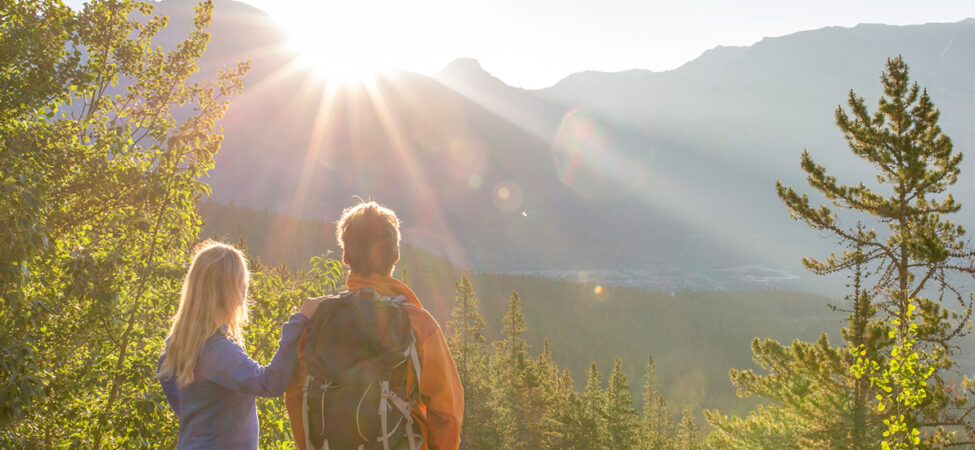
(535, 43)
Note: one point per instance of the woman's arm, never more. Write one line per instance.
(229, 366)
(226, 364)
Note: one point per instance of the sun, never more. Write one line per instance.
(364, 39)
(340, 60)
(344, 42)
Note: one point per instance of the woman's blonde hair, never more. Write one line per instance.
(213, 297)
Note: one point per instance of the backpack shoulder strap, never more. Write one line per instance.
(414, 358)
(305, 412)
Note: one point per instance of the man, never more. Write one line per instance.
(369, 236)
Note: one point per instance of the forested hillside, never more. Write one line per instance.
(694, 336)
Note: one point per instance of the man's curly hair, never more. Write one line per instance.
(369, 236)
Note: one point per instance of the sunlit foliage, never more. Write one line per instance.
(900, 382)
(104, 139)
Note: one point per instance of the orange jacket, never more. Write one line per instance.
(441, 408)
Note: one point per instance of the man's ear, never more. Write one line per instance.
(397, 257)
(345, 257)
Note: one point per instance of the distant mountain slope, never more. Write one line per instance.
(755, 108)
(666, 171)
(752, 110)
(784, 80)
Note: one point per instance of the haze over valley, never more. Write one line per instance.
(669, 174)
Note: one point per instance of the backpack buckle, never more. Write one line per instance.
(362, 292)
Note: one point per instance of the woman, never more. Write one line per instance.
(209, 380)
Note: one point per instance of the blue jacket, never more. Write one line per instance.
(219, 408)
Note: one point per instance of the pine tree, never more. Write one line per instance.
(466, 327)
(811, 389)
(593, 425)
(523, 398)
(512, 347)
(511, 351)
(514, 389)
(656, 426)
(530, 407)
(866, 337)
(568, 413)
(556, 398)
(468, 348)
(547, 364)
(815, 400)
(687, 432)
(922, 250)
(621, 417)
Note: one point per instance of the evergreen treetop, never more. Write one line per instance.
(817, 400)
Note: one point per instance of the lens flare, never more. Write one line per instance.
(475, 181)
(507, 196)
(592, 161)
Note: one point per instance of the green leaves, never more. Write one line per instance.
(275, 293)
(902, 380)
(100, 181)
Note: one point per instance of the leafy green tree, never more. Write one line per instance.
(274, 292)
(100, 176)
(901, 381)
(622, 418)
(656, 425)
(34, 70)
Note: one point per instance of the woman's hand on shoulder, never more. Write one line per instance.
(309, 306)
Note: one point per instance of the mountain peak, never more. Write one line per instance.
(468, 72)
(464, 67)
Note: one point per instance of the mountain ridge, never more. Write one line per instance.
(725, 48)
(620, 170)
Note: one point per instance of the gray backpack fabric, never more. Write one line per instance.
(358, 350)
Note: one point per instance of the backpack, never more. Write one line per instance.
(358, 350)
